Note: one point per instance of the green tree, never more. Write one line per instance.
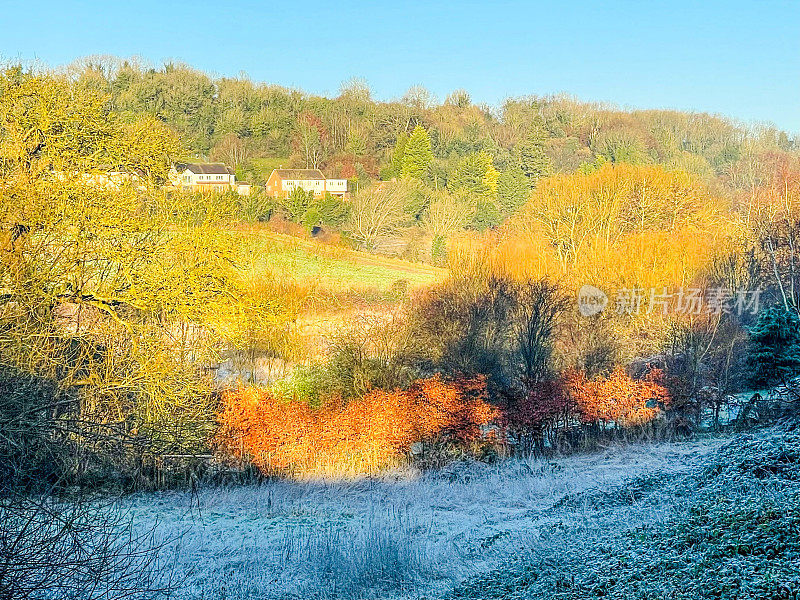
(328, 210)
(417, 154)
(297, 204)
(399, 152)
(476, 175)
(512, 190)
(532, 151)
(775, 346)
(487, 214)
(619, 146)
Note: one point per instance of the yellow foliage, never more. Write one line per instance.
(621, 226)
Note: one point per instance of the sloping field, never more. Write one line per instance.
(415, 535)
(331, 269)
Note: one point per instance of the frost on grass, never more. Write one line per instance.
(735, 535)
(411, 535)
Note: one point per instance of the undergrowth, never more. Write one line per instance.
(734, 535)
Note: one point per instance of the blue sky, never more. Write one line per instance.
(738, 58)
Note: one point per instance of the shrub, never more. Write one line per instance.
(359, 437)
(539, 415)
(618, 398)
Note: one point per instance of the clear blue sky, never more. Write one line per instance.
(738, 57)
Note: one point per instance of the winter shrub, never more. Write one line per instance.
(545, 409)
(345, 439)
(552, 407)
(618, 398)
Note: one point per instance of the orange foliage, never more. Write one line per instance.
(617, 398)
(622, 226)
(361, 436)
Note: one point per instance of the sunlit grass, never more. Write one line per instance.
(331, 271)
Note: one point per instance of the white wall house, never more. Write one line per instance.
(336, 186)
(105, 178)
(283, 182)
(202, 176)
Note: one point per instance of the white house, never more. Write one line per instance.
(243, 189)
(283, 182)
(203, 176)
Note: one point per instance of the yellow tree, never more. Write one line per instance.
(113, 293)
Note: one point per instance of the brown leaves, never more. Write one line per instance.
(617, 398)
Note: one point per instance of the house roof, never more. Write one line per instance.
(305, 174)
(205, 168)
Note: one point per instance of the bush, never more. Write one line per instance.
(34, 449)
(360, 437)
(257, 206)
(538, 416)
(617, 399)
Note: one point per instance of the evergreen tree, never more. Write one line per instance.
(297, 203)
(397, 155)
(532, 152)
(775, 346)
(487, 215)
(417, 155)
(512, 190)
(476, 175)
(328, 210)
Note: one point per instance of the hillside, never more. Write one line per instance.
(257, 126)
(334, 272)
(702, 519)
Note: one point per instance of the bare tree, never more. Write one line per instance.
(231, 150)
(58, 540)
(447, 213)
(539, 305)
(378, 213)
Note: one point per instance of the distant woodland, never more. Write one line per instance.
(258, 126)
(132, 313)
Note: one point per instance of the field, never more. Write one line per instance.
(331, 271)
(412, 535)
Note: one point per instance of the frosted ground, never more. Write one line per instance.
(410, 535)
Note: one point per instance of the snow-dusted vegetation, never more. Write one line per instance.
(415, 535)
(734, 533)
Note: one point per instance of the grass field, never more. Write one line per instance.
(409, 535)
(332, 271)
